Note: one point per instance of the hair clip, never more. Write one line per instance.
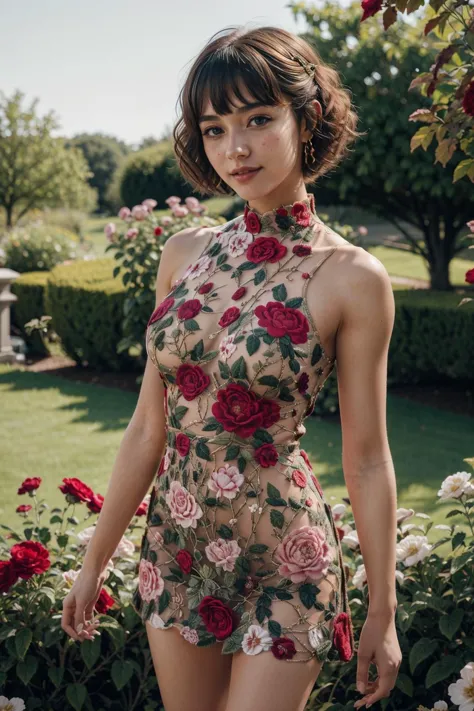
(310, 69)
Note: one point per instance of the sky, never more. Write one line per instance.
(116, 66)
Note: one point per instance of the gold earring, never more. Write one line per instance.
(309, 153)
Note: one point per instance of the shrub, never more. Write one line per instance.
(38, 247)
(29, 289)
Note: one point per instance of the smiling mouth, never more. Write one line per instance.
(245, 172)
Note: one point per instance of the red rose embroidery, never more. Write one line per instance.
(29, 558)
(29, 484)
(302, 383)
(317, 485)
(23, 508)
(104, 602)
(301, 250)
(299, 478)
(470, 276)
(205, 288)
(308, 502)
(282, 212)
(280, 320)
(306, 459)
(242, 411)
(8, 576)
(161, 310)
(229, 316)
(301, 214)
(265, 249)
(142, 509)
(191, 380)
(252, 223)
(266, 455)
(76, 488)
(185, 561)
(305, 275)
(189, 309)
(95, 504)
(283, 648)
(239, 293)
(219, 619)
(182, 444)
(342, 636)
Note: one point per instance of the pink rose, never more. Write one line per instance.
(179, 210)
(149, 203)
(132, 233)
(301, 214)
(299, 478)
(110, 230)
(172, 200)
(183, 506)
(223, 553)
(304, 554)
(226, 481)
(139, 212)
(124, 212)
(192, 203)
(150, 582)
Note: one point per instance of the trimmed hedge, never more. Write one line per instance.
(30, 288)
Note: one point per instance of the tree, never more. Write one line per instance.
(382, 175)
(104, 155)
(36, 169)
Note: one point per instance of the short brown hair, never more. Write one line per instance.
(261, 59)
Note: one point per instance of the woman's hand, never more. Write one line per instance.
(378, 643)
(78, 606)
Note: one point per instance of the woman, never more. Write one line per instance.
(241, 570)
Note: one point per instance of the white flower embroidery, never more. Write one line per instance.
(227, 346)
(316, 637)
(256, 640)
(239, 242)
(203, 264)
(156, 621)
(223, 239)
(190, 635)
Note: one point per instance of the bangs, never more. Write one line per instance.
(222, 78)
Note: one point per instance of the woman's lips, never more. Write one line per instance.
(245, 177)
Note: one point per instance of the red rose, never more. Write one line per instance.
(252, 222)
(283, 648)
(301, 214)
(95, 504)
(301, 250)
(317, 485)
(219, 619)
(104, 602)
(29, 484)
(265, 249)
(266, 455)
(29, 558)
(229, 316)
(342, 636)
(370, 7)
(189, 309)
(270, 412)
(470, 276)
(302, 383)
(185, 561)
(161, 310)
(182, 444)
(280, 320)
(306, 459)
(205, 288)
(242, 411)
(23, 508)
(191, 380)
(308, 502)
(77, 489)
(282, 212)
(240, 292)
(468, 100)
(142, 509)
(299, 478)
(158, 231)
(8, 575)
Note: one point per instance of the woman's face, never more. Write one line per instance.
(264, 137)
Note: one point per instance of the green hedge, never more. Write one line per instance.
(86, 305)
(30, 288)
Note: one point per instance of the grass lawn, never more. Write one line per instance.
(55, 428)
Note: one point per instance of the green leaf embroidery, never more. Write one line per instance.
(253, 344)
(279, 292)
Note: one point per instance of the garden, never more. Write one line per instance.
(80, 256)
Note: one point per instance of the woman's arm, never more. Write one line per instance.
(142, 445)
(362, 342)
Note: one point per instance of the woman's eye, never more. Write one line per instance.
(214, 128)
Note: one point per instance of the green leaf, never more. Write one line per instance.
(26, 669)
(441, 670)
(307, 593)
(405, 684)
(273, 491)
(279, 292)
(460, 561)
(198, 350)
(274, 628)
(258, 548)
(241, 464)
(121, 672)
(233, 643)
(449, 624)
(421, 650)
(90, 651)
(294, 303)
(56, 675)
(180, 411)
(458, 539)
(76, 694)
(277, 519)
(232, 452)
(270, 380)
(253, 344)
(22, 641)
(225, 531)
(259, 277)
(224, 369)
(190, 324)
(316, 354)
(239, 369)
(202, 451)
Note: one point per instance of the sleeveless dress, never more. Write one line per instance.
(240, 546)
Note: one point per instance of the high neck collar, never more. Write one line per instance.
(285, 218)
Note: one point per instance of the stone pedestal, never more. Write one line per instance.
(7, 277)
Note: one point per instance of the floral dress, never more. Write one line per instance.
(240, 546)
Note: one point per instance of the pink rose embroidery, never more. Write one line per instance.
(226, 481)
(299, 478)
(183, 506)
(150, 582)
(223, 553)
(304, 555)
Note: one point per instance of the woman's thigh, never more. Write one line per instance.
(264, 683)
(189, 677)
